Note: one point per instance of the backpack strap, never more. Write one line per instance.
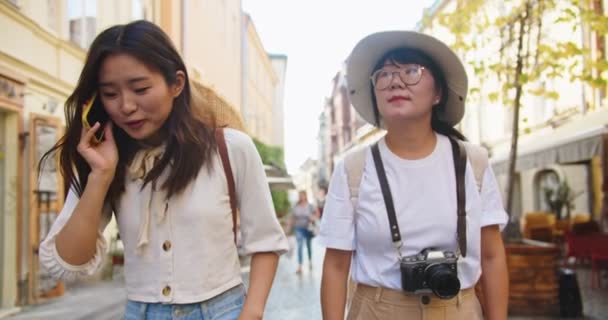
(354, 163)
(223, 151)
(478, 156)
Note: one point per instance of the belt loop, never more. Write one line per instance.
(378, 294)
(143, 308)
(459, 298)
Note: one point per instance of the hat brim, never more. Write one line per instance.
(370, 49)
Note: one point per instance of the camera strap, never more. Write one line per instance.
(460, 162)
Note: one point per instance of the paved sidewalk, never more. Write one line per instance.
(296, 296)
(293, 297)
(100, 301)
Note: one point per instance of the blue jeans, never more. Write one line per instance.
(303, 235)
(225, 306)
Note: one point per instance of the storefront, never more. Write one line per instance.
(45, 200)
(574, 152)
(11, 105)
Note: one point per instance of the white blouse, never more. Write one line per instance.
(182, 250)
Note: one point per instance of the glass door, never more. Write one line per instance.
(46, 199)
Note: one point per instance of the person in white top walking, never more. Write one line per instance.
(420, 227)
(173, 181)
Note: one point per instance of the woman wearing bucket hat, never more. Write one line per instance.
(419, 220)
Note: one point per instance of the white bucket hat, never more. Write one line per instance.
(370, 49)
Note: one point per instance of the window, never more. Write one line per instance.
(545, 180)
(83, 25)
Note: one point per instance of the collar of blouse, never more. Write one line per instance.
(142, 163)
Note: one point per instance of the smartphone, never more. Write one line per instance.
(93, 112)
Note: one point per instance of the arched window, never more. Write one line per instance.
(545, 179)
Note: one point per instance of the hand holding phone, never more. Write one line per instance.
(97, 144)
(93, 112)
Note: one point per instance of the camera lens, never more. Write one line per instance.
(443, 281)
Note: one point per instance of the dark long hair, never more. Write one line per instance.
(190, 141)
(409, 55)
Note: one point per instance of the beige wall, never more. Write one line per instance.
(9, 234)
(111, 12)
(260, 81)
(212, 46)
(38, 53)
(171, 20)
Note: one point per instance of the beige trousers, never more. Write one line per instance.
(371, 303)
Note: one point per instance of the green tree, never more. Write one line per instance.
(528, 55)
(274, 156)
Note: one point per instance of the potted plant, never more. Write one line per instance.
(559, 198)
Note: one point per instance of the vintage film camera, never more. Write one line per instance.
(431, 271)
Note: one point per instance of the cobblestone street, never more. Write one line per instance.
(293, 297)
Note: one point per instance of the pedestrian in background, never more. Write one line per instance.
(423, 227)
(304, 217)
(159, 170)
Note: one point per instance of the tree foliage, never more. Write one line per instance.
(274, 156)
(547, 55)
(528, 53)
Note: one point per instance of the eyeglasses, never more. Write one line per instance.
(410, 74)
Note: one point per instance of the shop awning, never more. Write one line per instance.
(277, 179)
(280, 183)
(272, 171)
(578, 141)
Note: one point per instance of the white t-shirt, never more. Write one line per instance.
(424, 195)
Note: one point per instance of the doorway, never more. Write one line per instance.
(3, 152)
(46, 199)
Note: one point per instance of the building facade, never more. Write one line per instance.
(322, 138)
(279, 64)
(40, 61)
(340, 125)
(306, 179)
(561, 136)
(210, 33)
(259, 81)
